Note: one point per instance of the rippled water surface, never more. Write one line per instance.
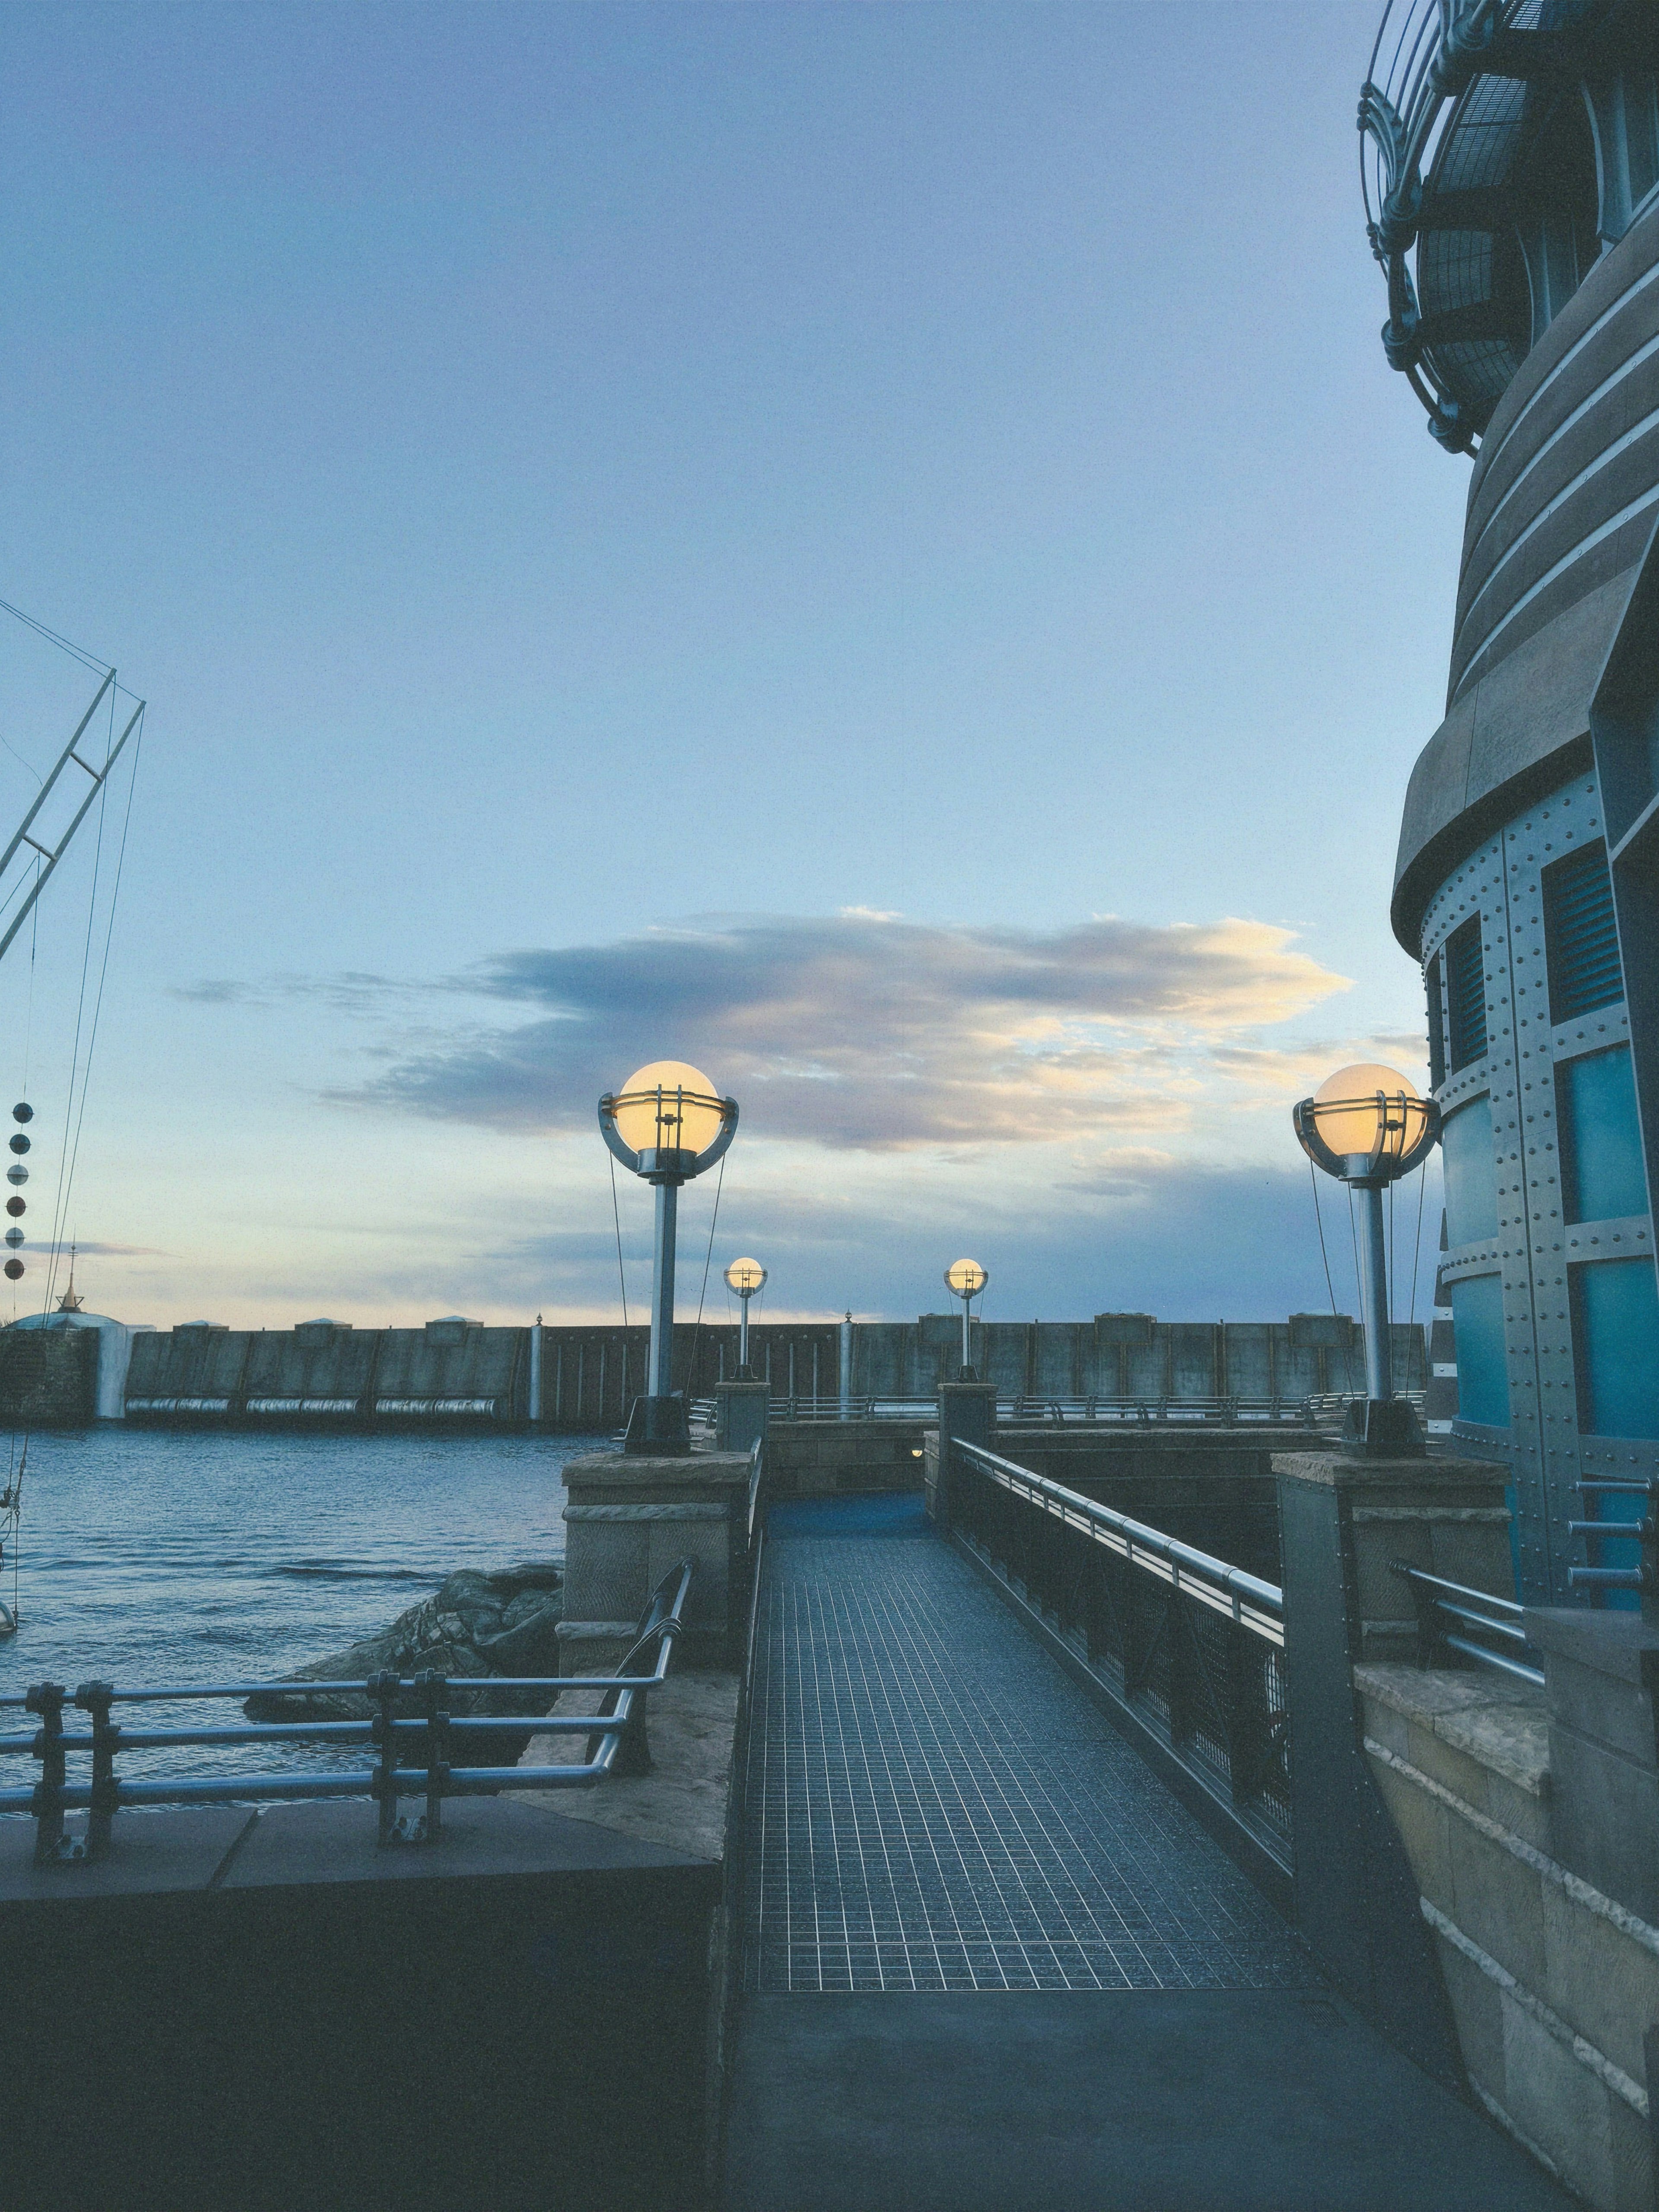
(150, 1557)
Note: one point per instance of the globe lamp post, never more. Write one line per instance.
(666, 1125)
(965, 1280)
(745, 1277)
(1367, 1125)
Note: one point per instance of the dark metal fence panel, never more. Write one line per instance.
(1192, 1647)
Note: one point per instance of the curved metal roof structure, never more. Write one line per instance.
(1468, 118)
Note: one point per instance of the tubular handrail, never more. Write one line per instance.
(1438, 1602)
(1099, 1408)
(1256, 1605)
(616, 1732)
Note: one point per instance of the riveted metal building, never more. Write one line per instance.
(1511, 165)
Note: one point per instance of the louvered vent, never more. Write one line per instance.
(1437, 1030)
(1466, 994)
(1582, 935)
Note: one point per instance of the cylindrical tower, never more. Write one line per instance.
(1511, 165)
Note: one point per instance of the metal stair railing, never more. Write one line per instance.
(1190, 1645)
(617, 1744)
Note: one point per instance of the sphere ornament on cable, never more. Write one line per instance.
(1368, 1125)
(666, 1125)
(965, 1280)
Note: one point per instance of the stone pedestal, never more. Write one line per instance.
(967, 1414)
(740, 1412)
(1601, 1671)
(1445, 1515)
(1342, 1523)
(630, 1520)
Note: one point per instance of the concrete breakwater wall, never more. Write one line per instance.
(451, 1371)
(455, 1372)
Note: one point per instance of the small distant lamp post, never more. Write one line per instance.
(965, 1280)
(1367, 1125)
(745, 1277)
(667, 1124)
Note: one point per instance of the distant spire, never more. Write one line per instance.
(69, 1303)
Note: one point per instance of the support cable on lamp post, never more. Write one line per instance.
(666, 1125)
(1367, 1125)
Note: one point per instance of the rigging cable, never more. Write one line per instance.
(103, 973)
(697, 1332)
(1313, 1183)
(616, 1215)
(56, 637)
(1416, 1241)
(60, 1201)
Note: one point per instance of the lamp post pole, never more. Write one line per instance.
(745, 1277)
(1374, 1290)
(660, 1382)
(965, 1280)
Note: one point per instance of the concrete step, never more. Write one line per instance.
(1142, 2100)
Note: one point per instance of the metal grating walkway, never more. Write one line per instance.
(933, 1804)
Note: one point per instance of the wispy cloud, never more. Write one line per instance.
(865, 1030)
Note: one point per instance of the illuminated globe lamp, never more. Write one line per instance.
(666, 1125)
(745, 1277)
(1367, 1125)
(965, 1280)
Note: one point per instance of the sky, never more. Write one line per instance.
(871, 548)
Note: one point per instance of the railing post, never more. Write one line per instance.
(46, 1699)
(95, 1698)
(634, 1751)
(1183, 1682)
(434, 1688)
(1245, 1717)
(382, 1689)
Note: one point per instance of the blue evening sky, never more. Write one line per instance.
(870, 547)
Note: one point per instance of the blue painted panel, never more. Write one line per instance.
(1615, 1320)
(1483, 1375)
(1471, 1175)
(1601, 1138)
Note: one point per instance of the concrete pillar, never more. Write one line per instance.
(967, 1414)
(740, 1414)
(1342, 1522)
(630, 1517)
(536, 1371)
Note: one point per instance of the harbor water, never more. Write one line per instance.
(150, 1558)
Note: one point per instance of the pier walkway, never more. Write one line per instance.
(991, 1963)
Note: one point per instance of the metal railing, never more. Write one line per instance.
(616, 1732)
(1191, 1646)
(1452, 1618)
(1037, 1408)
